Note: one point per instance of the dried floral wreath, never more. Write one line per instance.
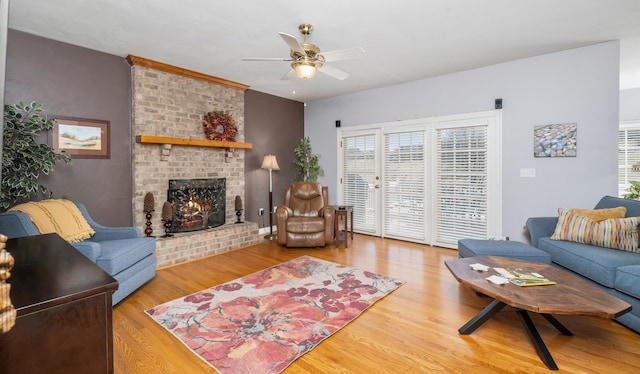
(218, 125)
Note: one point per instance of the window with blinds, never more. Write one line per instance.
(628, 155)
(404, 185)
(358, 180)
(461, 183)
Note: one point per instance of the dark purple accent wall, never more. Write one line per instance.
(274, 126)
(73, 81)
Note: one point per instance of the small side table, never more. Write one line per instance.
(346, 212)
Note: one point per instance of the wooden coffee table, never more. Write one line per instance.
(571, 295)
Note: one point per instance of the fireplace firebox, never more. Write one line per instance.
(198, 204)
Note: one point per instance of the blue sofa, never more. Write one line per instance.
(120, 251)
(616, 271)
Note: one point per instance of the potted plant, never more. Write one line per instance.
(307, 164)
(633, 192)
(23, 160)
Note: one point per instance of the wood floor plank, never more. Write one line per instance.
(413, 330)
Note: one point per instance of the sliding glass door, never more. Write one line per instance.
(431, 181)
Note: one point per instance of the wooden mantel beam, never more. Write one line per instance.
(193, 142)
(141, 61)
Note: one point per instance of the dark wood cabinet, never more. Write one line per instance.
(63, 304)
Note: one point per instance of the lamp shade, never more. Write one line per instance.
(304, 69)
(270, 163)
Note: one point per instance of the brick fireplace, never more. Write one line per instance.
(170, 102)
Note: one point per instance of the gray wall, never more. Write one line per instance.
(77, 82)
(579, 85)
(630, 105)
(273, 125)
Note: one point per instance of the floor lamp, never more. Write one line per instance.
(270, 163)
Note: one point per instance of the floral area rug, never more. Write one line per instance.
(263, 322)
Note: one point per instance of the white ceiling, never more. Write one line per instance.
(404, 40)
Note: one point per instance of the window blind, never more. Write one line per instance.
(358, 180)
(404, 185)
(628, 154)
(461, 184)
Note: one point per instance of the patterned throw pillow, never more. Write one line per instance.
(616, 233)
(573, 227)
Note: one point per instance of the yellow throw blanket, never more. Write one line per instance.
(57, 215)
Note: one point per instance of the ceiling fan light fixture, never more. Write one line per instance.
(305, 57)
(304, 69)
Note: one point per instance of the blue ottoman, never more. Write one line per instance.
(504, 248)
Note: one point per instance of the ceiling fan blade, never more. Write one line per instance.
(267, 59)
(293, 43)
(290, 74)
(343, 54)
(334, 72)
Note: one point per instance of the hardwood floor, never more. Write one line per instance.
(413, 330)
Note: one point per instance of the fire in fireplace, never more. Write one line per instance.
(198, 204)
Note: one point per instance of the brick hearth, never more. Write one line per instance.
(196, 244)
(168, 104)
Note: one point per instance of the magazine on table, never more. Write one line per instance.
(523, 278)
(532, 282)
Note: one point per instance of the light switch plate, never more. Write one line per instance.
(527, 173)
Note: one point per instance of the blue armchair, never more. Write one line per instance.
(120, 251)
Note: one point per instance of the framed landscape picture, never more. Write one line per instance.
(81, 138)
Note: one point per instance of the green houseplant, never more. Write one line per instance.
(633, 192)
(307, 164)
(23, 159)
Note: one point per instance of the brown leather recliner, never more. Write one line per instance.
(305, 219)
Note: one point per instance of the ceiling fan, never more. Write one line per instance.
(306, 58)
